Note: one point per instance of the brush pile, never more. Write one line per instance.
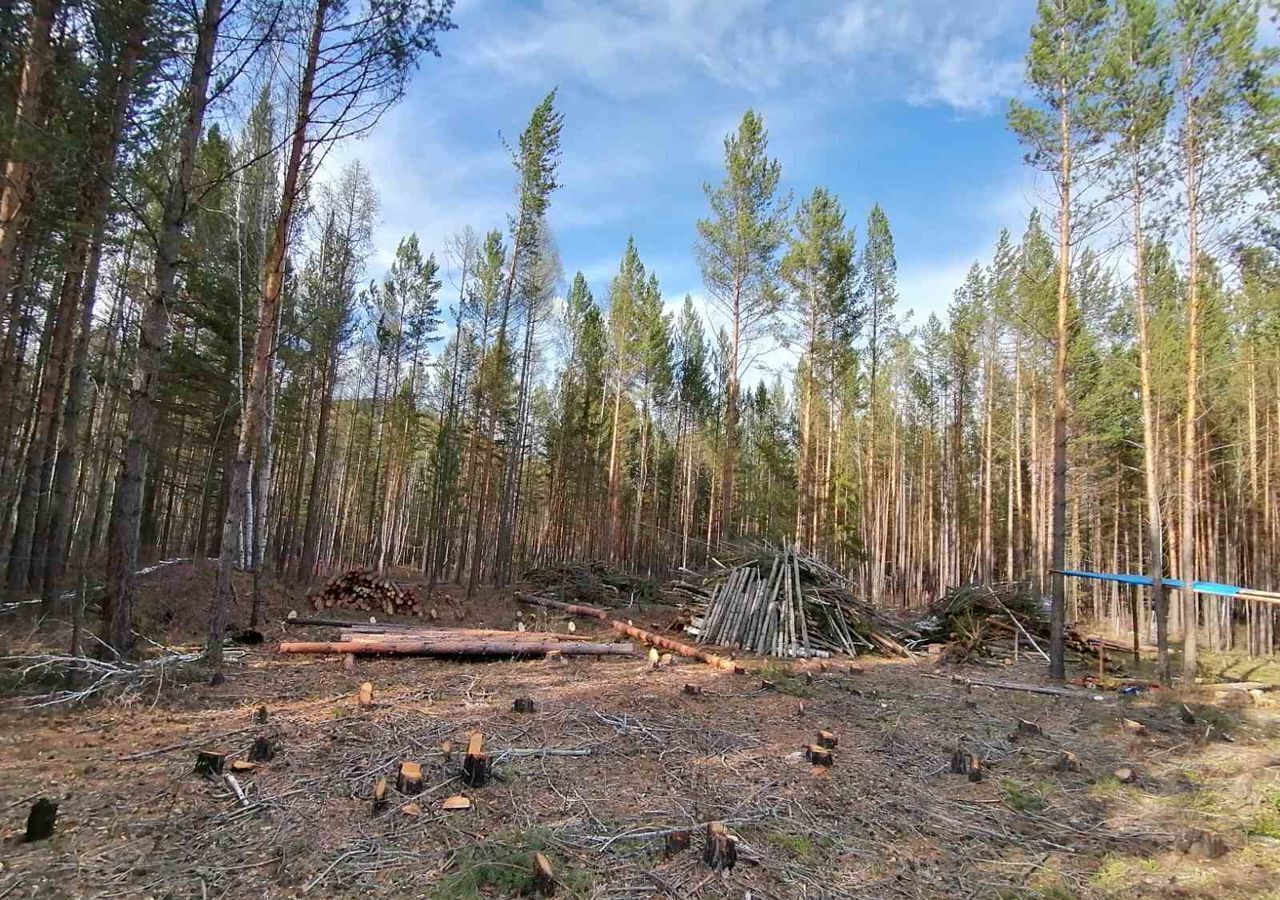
(364, 590)
(977, 620)
(593, 582)
(788, 604)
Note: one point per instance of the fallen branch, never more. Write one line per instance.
(639, 634)
(1011, 686)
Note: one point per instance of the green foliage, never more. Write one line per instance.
(502, 866)
(738, 245)
(1025, 798)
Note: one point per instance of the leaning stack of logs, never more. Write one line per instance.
(366, 591)
(782, 602)
(394, 640)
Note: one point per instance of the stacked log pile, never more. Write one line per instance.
(783, 602)
(366, 591)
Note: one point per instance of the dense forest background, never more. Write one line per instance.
(197, 360)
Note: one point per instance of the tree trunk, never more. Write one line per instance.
(26, 121)
(254, 410)
(126, 514)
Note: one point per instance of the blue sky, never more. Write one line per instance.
(900, 103)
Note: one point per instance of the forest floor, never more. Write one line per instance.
(1200, 817)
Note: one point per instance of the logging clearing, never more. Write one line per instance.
(644, 449)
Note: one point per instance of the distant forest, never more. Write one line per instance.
(196, 359)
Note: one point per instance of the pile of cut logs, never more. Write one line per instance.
(395, 640)
(783, 602)
(367, 591)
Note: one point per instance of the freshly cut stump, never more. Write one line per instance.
(721, 850)
(475, 765)
(544, 876)
(409, 780)
(263, 749)
(380, 796)
(819, 756)
(210, 762)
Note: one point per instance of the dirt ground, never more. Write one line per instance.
(616, 757)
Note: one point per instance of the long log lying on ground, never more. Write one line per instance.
(1011, 686)
(457, 634)
(457, 648)
(639, 634)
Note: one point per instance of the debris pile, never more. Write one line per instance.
(593, 582)
(991, 620)
(364, 590)
(783, 602)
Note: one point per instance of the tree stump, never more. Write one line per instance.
(677, 842)
(475, 765)
(409, 779)
(210, 762)
(365, 696)
(380, 796)
(544, 876)
(1029, 729)
(263, 749)
(721, 851)
(965, 763)
(260, 716)
(524, 705)
(348, 662)
(41, 819)
(819, 756)
(1068, 762)
(828, 740)
(693, 690)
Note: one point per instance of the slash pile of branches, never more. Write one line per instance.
(593, 582)
(365, 590)
(784, 602)
(981, 619)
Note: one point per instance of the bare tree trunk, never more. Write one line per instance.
(1057, 616)
(126, 514)
(254, 411)
(26, 115)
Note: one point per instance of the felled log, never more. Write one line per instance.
(504, 647)
(375, 633)
(639, 634)
(41, 819)
(1011, 686)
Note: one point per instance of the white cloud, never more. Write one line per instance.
(966, 77)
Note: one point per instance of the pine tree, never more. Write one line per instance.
(738, 254)
(1063, 134)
